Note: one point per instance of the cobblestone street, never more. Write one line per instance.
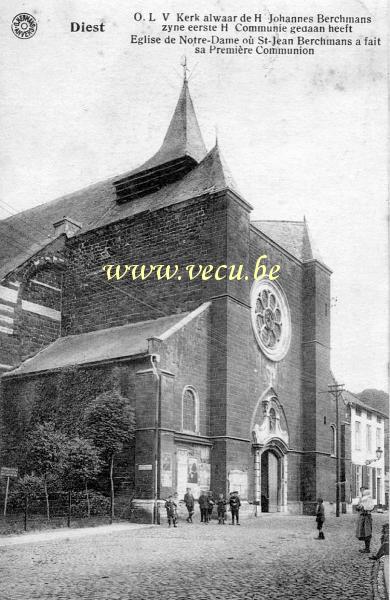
(272, 557)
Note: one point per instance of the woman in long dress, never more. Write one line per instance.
(364, 524)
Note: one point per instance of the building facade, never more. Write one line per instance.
(228, 377)
(367, 449)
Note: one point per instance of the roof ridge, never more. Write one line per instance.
(184, 103)
(122, 341)
(364, 404)
(134, 324)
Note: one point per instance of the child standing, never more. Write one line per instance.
(171, 508)
(221, 507)
(210, 505)
(203, 505)
(320, 518)
(235, 504)
(189, 502)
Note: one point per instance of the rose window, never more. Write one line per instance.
(271, 319)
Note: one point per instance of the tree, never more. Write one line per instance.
(109, 424)
(82, 464)
(46, 452)
(27, 488)
(30, 486)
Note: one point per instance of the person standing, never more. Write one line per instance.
(189, 502)
(210, 505)
(364, 524)
(171, 508)
(235, 504)
(203, 505)
(320, 518)
(221, 508)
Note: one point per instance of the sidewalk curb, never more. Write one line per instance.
(378, 578)
(67, 534)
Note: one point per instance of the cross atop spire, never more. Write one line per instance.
(185, 68)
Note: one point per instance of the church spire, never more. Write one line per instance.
(181, 150)
(183, 137)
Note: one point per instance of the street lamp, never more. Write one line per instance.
(379, 453)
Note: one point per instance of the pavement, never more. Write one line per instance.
(272, 557)
(34, 537)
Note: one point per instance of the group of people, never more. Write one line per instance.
(365, 506)
(207, 502)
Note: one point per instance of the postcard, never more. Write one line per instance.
(194, 299)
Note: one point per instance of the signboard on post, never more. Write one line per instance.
(8, 472)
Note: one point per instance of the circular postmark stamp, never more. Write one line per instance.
(24, 26)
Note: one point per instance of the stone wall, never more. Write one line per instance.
(191, 232)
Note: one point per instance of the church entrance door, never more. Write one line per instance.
(270, 481)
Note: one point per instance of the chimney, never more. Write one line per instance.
(67, 226)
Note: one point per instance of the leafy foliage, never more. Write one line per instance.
(29, 487)
(93, 505)
(46, 451)
(82, 463)
(71, 451)
(109, 422)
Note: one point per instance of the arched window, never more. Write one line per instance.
(190, 419)
(272, 419)
(333, 440)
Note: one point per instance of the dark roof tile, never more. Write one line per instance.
(94, 206)
(97, 346)
(293, 236)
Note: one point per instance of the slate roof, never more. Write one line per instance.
(23, 234)
(97, 346)
(183, 137)
(294, 236)
(350, 397)
(96, 205)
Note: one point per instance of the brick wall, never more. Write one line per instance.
(191, 232)
(186, 354)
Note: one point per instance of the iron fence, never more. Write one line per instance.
(65, 509)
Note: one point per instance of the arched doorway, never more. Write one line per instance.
(270, 455)
(271, 481)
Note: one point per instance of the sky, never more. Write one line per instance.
(302, 135)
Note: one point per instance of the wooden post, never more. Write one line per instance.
(6, 497)
(336, 391)
(338, 456)
(69, 507)
(25, 513)
(112, 506)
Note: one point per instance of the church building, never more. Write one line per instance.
(228, 377)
